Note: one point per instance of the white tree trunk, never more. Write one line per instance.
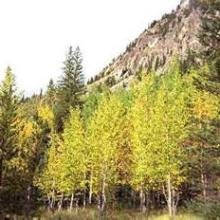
(143, 201)
(90, 189)
(71, 202)
(169, 197)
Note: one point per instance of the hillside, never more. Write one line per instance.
(174, 35)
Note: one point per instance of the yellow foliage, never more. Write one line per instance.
(46, 114)
(205, 106)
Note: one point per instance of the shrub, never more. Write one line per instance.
(210, 209)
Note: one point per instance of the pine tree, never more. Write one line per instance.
(204, 140)
(72, 82)
(70, 87)
(51, 93)
(210, 38)
(8, 130)
(209, 34)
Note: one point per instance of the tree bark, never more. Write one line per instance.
(133, 199)
(90, 189)
(71, 202)
(15, 217)
(77, 204)
(84, 199)
(60, 203)
(28, 203)
(172, 198)
(102, 200)
(103, 203)
(52, 202)
(169, 197)
(143, 201)
(203, 181)
(48, 204)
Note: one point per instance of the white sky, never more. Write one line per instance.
(35, 34)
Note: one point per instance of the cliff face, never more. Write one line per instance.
(174, 35)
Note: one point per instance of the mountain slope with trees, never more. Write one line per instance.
(175, 35)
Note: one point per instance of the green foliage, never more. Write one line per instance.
(110, 81)
(8, 115)
(208, 210)
(209, 35)
(8, 135)
(91, 103)
(51, 93)
(71, 86)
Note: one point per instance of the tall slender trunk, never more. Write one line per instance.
(102, 200)
(48, 205)
(202, 172)
(90, 188)
(133, 199)
(103, 203)
(15, 217)
(172, 198)
(52, 202)
(147, 196)
(203, 182)
(169, 197)
(84, 192)
(71, 202)
(84, 199)
(143, 201)
(27, 206)
(77, 204)
(175, 201)
(60, 203)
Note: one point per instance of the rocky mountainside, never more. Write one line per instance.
(173, 36)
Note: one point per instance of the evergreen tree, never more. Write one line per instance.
(8, 132)
(204, 141)
(51, 93)
(71, 86)
(210, 35)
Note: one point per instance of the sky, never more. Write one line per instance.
(36, 34)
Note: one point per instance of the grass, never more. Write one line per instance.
(92, 214)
